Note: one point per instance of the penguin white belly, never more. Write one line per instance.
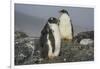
(65, 27)
(65, 31)
(57, 37)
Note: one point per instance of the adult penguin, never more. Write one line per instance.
(65, 26)
(50, 39)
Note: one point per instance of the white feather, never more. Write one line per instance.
(65, 26)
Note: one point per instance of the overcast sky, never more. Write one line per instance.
(31, 18)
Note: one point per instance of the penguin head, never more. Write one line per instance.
(53, 20)
(64, 11)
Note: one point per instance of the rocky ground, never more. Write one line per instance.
(27, 51)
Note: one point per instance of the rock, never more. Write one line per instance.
(22, 53)
(83, 35)
(27, 51)
(31, 44)
(86, 41)
(19, 34)
(24, 48)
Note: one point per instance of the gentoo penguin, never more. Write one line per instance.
(65, 26)
(50, 39)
